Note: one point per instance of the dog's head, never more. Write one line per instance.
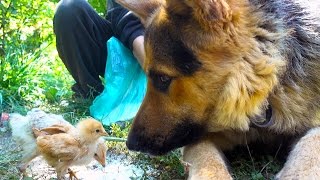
(206, 72)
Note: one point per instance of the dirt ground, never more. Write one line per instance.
(118, 166)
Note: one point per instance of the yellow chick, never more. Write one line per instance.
(77, 147)
(22, 132)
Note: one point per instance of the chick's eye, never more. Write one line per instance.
(97, 131)
(95, 154)
(161, 81)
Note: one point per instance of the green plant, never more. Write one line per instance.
(29, 69)
(99, 5)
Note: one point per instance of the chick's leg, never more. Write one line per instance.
(26, 158)
(61, 171)
(72, 174)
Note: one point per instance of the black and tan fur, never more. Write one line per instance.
(214, 65)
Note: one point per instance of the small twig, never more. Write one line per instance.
(115, 139)
(254, 167)
(275, 156)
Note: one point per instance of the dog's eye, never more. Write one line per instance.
(164, 79)
(161, 81)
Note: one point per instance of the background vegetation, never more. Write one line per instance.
(32, 75)
(30, 72)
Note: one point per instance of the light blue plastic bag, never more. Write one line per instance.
(125, 86)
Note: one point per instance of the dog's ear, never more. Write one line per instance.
(178, 7)
(204, 11)
(142, 8)
(210, 10)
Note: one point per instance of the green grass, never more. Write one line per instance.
(255, 165)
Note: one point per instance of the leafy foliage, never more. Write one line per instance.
(99, 6)
(29, 69)
(29, 66)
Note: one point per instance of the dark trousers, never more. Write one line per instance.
(81, 36)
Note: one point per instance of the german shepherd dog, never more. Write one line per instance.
(223, 73)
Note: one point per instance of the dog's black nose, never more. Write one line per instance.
(132, 142)
(131, 146)
(137, 142)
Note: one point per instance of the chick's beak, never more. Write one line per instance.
(101, 161)
(104, 133)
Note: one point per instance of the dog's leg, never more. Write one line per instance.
(304, 160)
(205, 161)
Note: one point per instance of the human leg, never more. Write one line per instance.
(81, 36)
